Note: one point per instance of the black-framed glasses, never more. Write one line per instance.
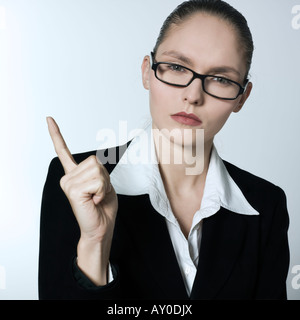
(179, 76)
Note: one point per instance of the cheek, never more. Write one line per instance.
(161, 99)
(217, 117)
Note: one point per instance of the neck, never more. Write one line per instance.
(183, 168)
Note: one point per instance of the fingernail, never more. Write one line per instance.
(51, 123)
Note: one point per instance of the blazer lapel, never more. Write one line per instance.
(155, 246)
(222, 240)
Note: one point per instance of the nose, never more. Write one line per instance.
(194, 94)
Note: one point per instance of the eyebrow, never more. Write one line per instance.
(184, 59)
(224, 69)
(178, 56)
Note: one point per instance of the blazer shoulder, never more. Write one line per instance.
(56, 169)
(249, 182)
(109, 157)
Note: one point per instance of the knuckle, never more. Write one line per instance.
(100, 172)
(63, 182)
(66, 184)
(101, 187)
(72, 193)
(104, 184)
(92, 160)
(100, 184)
(96, 167)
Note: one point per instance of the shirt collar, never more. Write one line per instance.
(227, 192)
(137, 173)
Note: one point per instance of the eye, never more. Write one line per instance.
(222, 81)
(176, 68)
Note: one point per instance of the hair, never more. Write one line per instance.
(217, 8)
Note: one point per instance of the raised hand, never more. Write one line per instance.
(94, 203)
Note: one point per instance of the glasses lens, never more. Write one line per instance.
(177, 75)
(221, 87)
(173, 74)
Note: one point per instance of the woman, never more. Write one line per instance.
(152, 231)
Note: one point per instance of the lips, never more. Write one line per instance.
(187, 119)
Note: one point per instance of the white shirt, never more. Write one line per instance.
(137, 173)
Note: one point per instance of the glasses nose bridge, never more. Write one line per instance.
(198, 76)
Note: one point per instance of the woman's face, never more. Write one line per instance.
(206, 45)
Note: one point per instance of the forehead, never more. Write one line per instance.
(207, 41)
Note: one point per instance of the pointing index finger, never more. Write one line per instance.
(60, 146)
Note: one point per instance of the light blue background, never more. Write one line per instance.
(79, 61)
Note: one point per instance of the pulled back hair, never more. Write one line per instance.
(217, 8)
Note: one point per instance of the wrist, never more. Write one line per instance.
(93, 260)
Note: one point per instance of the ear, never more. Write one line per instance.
(243, 98)
(146, 72)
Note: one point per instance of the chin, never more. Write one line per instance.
(183, 136)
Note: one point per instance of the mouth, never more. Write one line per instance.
(187, 119)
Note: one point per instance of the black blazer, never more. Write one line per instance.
(241, 257)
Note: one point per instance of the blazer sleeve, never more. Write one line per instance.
(275, 252)
(59, 235)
